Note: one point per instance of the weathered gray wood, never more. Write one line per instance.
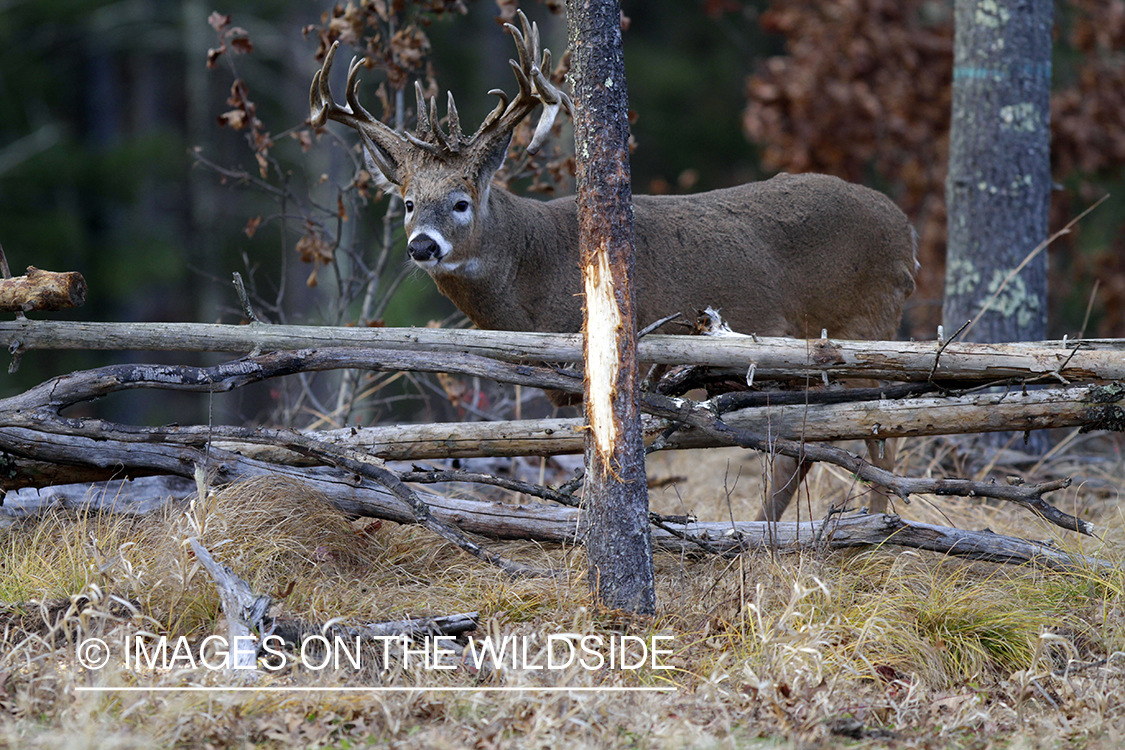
(563, 525)
(915, 417)
(126, 497)
(771, 357)
(37, 413)
(1075, 406)
(245, 611)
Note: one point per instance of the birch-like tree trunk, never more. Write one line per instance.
(619, 544)
(999, 180)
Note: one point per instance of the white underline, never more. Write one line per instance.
(243, 689)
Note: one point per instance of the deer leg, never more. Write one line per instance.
(788, 473)
(882, 456)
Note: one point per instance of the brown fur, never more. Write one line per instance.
(790, 256)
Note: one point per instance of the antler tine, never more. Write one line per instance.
(321, 102)
(527, 55)
(543, 127)
(454, 124)
(498, 109)
(435, 126)
(526, 90)
(383, 145)
(532, 75)
(429, 148)
(533, 49)
(351, 93)
(420, 107)
(425, 122)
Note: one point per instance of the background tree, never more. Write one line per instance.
(999, 182)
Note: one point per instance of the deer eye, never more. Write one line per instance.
(461, 206)
(409, 206)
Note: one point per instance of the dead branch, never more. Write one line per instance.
(563, 525)
(246, 612)
(38, 410)
(771, 357)
(248, 616)
(1028, 496)
(42, 290)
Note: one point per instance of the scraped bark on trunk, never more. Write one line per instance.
(619, 545)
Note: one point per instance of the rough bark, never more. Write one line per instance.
(619, 548)
(1090, 407)
(999, 179)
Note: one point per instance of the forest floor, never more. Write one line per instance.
(884, 647)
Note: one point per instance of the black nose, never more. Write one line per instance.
(423, 248)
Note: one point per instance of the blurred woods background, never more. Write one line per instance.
(157, 146)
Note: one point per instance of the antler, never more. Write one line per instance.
(535, 88)
(385, 146)
(388, 147)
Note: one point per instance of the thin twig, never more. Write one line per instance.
(653, 326)
(1030, 256)
(240, 288)
(937, 357)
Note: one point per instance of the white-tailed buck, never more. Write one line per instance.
(786, 257)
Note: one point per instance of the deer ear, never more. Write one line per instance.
(493, 158)
(380, 163)
(381, 180)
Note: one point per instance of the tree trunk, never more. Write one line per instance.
(619, 545)
(999, 181)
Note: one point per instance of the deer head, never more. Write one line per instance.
(444, 178)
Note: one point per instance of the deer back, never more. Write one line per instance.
(788, 256)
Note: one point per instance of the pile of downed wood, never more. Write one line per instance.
(944, 388)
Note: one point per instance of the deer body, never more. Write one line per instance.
(790, 256)
(783, 257)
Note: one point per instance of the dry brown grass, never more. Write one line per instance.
(875, 648)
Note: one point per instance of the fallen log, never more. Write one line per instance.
(771, 357)
(563, 525)
(1090, 407)
(36, 431)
